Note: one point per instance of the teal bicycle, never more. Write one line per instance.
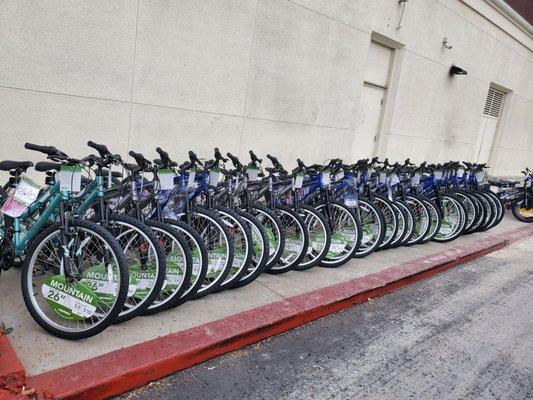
(74, 275)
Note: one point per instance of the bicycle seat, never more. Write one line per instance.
(43, 166)
(12, 165)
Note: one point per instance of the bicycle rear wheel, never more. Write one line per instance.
(145, 261)
(242, 244)
(260, 249)
(296, 240)
(319, 237)
(373, 227)
(179, 267)
(345, 233)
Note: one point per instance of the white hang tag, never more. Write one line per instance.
(298, 181)
(460, 172)
(214, 177)
(394, 180)
(166, 178)
(415, 180)
(339, 175)
(480, 176)
(326, 177)
(382, 176)
(253, 173)
(192, 176)
(25, 194)
(109, 178)
(438, 174)
(70, 178)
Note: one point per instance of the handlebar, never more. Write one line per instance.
(140, 159)
(100, 148)
(254, 158)
(218, 155)
(236, 163)
(48, 150)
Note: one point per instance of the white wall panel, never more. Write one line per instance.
(65, 122)
(194, 54)
(305, 67)
(83, 48)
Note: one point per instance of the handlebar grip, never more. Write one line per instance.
(300, 163)
(139, 158)
(49, 150)
(163, 154)
(234, 160)
(254, 157)
(100, 148)
(218, 155)
(273, 159)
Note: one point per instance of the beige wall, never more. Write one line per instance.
(277, 76)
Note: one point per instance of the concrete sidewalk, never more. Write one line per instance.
(41, 352)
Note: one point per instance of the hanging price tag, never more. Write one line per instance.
(253, 173)
(415, 179)
(438, 174)
(166, 178)
(298, 181)
(25, 194)
(394, 180)
(326, 177)
(70, 178)
(214, 177)
(339, 175)
(192, 176)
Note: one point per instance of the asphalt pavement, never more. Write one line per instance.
(466, 333)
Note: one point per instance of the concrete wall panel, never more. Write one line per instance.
(289, 141)
(178, 131)
(194, 54)
(81, 48)
(65, 122)
(304, 67)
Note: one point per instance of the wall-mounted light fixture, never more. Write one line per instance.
(445, 43)
(454, 70)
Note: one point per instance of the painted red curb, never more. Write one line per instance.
(127, 368)
(12, 374)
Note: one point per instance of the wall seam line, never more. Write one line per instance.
(133, 74)
(248, 77)
(329, 17)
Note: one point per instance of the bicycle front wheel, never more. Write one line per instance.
(79, 294)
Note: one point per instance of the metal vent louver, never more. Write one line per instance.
(494, 103)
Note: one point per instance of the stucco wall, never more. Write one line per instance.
(272, 75)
